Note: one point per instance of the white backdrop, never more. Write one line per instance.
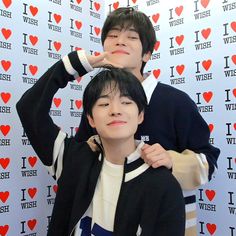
(195, 52)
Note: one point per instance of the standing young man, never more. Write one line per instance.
(113, 191)
(177, 134)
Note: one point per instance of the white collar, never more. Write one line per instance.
(149, 84)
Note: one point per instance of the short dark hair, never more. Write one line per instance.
(114, 78)
(126, 17)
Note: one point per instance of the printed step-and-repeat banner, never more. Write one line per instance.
(195, 52)
(33, 36)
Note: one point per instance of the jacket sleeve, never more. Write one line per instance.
(34, 106)
(196, 160)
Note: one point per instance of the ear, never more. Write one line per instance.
(146, 56)
(91, 121)
(140, 117)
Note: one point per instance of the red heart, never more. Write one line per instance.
(5, 97)
(6, 65)
(233, 58)
(6, 33)
(55, 188)
(33, 39)
(33, 69)
(7, 3)
(157, 45)
(78, 24)
(77, 48)
(207, 64)
(178, 10)
(79, 1)
(31, 223)
(79, 79)
(4, 196)
(57, 18)
(33, 10)
(97, 6)
(156, 73)
(155, 17)
(32, 160)
(233, 25)
(115, 5)
(97, 30)
(210, 194)
(97, 53)
(57, 101)
(78, 103)
(4, 229)
(234, 92)
(211, 228)
(4, 162)
(205, 3)
(32, 192)
(57, 46)
(134, 1)
(207, 96)
(235, 126)
(179, 39)
(206, 33)
(180, 69)
(5, 129)
(211, 127)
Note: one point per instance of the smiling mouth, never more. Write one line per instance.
(118, 122)
(120, 52)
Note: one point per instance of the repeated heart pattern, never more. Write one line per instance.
(32, 160)
(78, 104)
(6, 33)
(210, 194)
(5, 97)
(32, 192)
(4, 162)
(9, 64)
(31, 224)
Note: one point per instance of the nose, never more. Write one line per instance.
(115, 109)
(121, 40)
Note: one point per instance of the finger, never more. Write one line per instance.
(145, 146)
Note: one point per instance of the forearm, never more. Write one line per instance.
(33, 108)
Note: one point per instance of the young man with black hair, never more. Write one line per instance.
(113, 191)
(177, 135)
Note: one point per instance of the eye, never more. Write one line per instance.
(112, 35)
(126, 103)
(133, 37)
(105, 104)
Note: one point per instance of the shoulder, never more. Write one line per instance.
(161, 177)
(173, 96)
(168, 90)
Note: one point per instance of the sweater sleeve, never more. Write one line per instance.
(34, 106)
(197, 159)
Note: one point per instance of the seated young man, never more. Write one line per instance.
(113, 191)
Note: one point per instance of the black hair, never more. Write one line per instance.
(114, 78)
(126, 17)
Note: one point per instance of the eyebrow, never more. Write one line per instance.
(127, 29)
(108, 96)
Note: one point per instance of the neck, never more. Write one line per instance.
(117, 150)
(138, 74)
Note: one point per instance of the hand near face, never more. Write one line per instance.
(155, 155)
(101, 61)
